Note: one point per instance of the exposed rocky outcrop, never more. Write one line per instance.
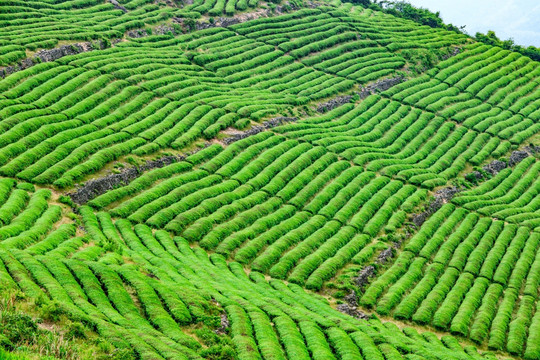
(440, 198)
(351, 298)
(164, 29)
(380, 85)
(351, 306)
(493, 167)
(118, 6)
(236, 19)
(370, 89)
(517, 156)
(452, 53)
(241, 17)
(444, 195)
(137, 33)
(532, 149)
(65, 50)
(334, 103)
(170, 3)
(352, 311)
(233, 137)
(26, 63)
(99, 186)
(363, 276)
(369, 271)
(225, 324)
(48, 55)
(385, 256)
(158, 30)
(477, 175)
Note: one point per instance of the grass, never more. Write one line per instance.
(33, 329)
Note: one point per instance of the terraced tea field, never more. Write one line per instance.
(287, 182)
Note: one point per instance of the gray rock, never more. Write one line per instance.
(258, 128)
(48, 55)
(99, 186)
(352, 311)
(532, 149)
(26, 63)
(239, 18)
(440, 198)
(164, 29)
(494, 167)
(419, 219)
(137, 33)
(516, 157)
(363, 276)
(478, 175)
(454, 52)
(8, 70)
(169, 3)
(118, 6)
(334, 103)
(229, 21)
(380, 85)
(444, 195)
(351, 298)
(225, 324)
(158, 30)
(65, 50)
(385, 256)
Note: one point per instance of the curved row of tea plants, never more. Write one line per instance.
(511, 195)
(398, 140)
(469, 275)
(305, 216)
(66, 119)
(35, 25)
(278, 209)
(173, 286)
(28, 220)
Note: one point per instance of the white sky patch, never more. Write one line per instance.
(517, 19)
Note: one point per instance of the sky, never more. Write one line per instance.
(516, 19)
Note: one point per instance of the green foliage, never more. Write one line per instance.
(66, 200)
(405, 10)
(491, 38)
(76, 330)
(322, 195)
(17, 327)
(219, 347)
(50, 311)
(26, 186)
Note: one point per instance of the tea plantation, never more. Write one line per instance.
(237, 179)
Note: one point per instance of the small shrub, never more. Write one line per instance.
(66, 200)
(51, 311)
(17, 327)
(76, 330)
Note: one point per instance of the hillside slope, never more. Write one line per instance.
(291, 181)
